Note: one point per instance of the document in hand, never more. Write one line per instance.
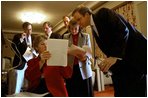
(76, 51)
(80, 52)
(28, 54)
(58, 49)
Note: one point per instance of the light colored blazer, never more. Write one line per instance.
(85, 67)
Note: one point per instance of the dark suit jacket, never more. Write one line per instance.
(65, 33)
(117, 38)
(21, 47)
(55, 36)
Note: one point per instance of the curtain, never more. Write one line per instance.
(127, 11)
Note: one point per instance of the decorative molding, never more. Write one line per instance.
(17, 32)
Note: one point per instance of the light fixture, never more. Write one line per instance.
(32, 17)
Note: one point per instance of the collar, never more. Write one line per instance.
(79, 34)
(91, 21)
(49, 34)
(93, 26)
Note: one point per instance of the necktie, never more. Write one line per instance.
(28, 42)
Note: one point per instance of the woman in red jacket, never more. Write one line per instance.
(43, 78)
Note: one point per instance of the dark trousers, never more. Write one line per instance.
(77, 87)
(128, 87)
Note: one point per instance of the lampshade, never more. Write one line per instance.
(32, 17)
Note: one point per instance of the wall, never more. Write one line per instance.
(141, 13)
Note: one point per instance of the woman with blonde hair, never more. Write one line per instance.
(43, 78)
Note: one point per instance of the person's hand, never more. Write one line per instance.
(107, 63)
(45, 55)
(82, 58)
(23, 35)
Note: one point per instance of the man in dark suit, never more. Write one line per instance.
(66, 20)
(48, 31)
(20, 44)
(125, 47)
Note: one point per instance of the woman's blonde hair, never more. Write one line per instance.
(37, 40)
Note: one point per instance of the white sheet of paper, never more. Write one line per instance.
(28, 54)
(85, 69)
(76, 51)
(58, 49)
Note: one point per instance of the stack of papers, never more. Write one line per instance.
(80, 52)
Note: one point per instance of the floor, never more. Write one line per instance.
(109, 92)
